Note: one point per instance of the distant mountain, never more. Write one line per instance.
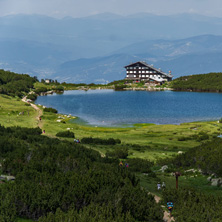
(97, 47)
(200, 54)
(103, 69)
(97, 70)
(172, 48)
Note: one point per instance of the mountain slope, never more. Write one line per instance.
(39, 45)
(103, 69)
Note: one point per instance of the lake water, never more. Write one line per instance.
(112, 108)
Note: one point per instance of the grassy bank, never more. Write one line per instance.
(14, 112)
(154, 141)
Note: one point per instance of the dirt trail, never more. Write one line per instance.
(166, 216)
(39, 122)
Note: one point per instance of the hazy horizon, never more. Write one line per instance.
(84, 8)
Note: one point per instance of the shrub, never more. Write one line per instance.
(41, 89)
(140, 165)
(66, 134)
(119, 87)
(32, 96)
(50, 110)
(59, 88)
(120, 153)
(99, 141)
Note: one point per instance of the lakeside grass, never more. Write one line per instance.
(160, 141)
(14, 112)
(163, 140)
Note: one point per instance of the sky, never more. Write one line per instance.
(82, 8)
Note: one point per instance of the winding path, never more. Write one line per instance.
(39, 122)
(166, 217)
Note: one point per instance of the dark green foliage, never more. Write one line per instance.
(119, 87)
(201, 83)
(67, 134)
(59, 88)
(207, 157)
(119, 152)
(14, 84)
(91, 213)
(140, 165)
(50, 110)
(198, 137)
(190, 205)
(32, 96)
(99, 141)
(61, 181)
(138, 148)
(41, 89)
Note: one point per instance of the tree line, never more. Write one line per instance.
(210, 82)
(14, 84)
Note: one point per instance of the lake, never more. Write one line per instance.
(113, 108)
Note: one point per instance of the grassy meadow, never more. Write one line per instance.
(14, 112)
(155, 141)
(147, 141)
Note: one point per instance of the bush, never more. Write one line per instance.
(99, 141)
(50, 110)
(140, 165)
(32, 96)
(59, 88)
(202, 136)
(41, 89)
(121, 153)
(119, 87)
(66, 134)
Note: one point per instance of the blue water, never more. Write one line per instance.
(111, 108)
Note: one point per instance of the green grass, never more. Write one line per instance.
(23, 220)
(198, 182)
(162, 139)
(10, 109)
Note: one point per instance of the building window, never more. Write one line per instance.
(135, 76)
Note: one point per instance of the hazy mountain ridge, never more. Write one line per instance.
(50, 47)
(200, 54)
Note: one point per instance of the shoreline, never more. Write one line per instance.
(80, 121)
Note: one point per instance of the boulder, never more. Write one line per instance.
(163, 168)
(216, 182)
(209, 179)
